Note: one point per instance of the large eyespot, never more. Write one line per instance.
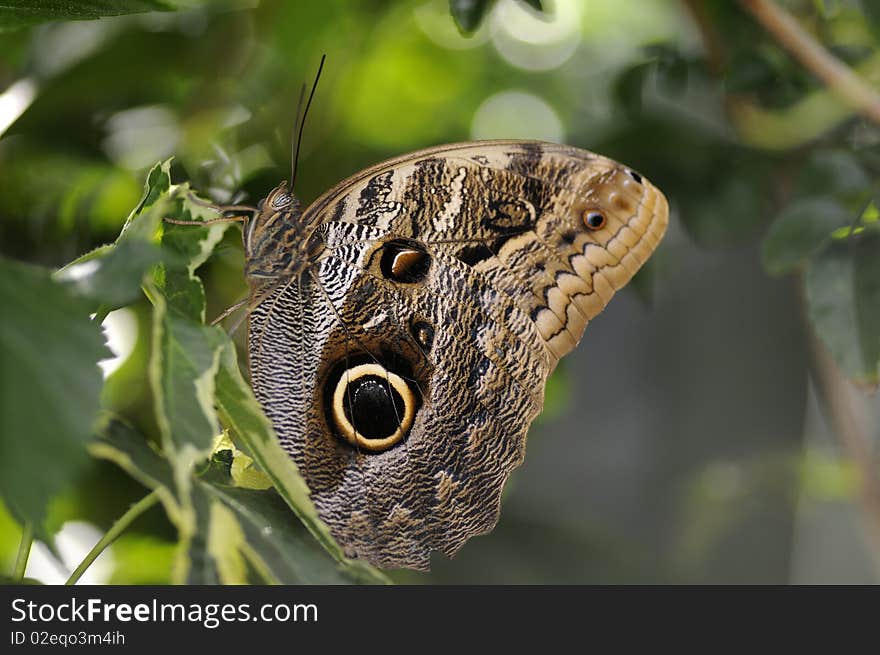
(594, 220)
(372, 407)
(404, 262)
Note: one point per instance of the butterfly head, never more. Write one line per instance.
(273, 237)
(280, 199)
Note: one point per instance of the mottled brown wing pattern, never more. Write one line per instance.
(515, 210)
(451, 280)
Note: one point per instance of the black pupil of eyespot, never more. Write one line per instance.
(595, 220)
(373, 407)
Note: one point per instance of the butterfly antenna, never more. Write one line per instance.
(302, 122)
(299, 104)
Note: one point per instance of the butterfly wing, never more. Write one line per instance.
(450, 283)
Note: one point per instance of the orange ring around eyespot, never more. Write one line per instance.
(590, 213)
(349, 432)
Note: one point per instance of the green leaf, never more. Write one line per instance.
(15, 14)
(242, 414)
(192, 245)
(143, 224)
(673, 71)
(119, 443)
(837, 173)
(111, 275)
(801, 230)
(629, 87)
(279, 547)
(194, 367)
(182, 369)
(50, 381)
(843, 295)
(228, 535)
(468, 14)
(871, 9)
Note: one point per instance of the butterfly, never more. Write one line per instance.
(401, 328)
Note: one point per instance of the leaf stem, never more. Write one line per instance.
(24, 551)
(828, 68)
(113, 533)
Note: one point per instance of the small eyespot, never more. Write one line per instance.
(423, 333)
(594, 220)
(372, 408)
(404, 262)
(635, 176)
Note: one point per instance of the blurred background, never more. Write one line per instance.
(694, 436)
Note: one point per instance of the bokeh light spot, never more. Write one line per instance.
(140, 137)
(532, 42)
(516, 115)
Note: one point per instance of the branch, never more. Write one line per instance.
(833, 388)
(716, 57)
(833, 72)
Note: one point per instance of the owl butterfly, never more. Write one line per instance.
(402, 327)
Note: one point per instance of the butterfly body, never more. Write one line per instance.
(403, 326)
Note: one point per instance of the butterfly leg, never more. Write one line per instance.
(210, 221)
(229, 310)
(193, 198)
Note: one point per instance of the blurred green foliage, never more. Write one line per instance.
(756, 155)
(17, 13)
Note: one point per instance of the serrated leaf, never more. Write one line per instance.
(141, 224)
(192, 245)
(184, 363)
(185, 353)
(801, 230)
(49, 387)
(194, 367)
(843, 296)
(468, 14)
(16, 14)
(111, 275)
